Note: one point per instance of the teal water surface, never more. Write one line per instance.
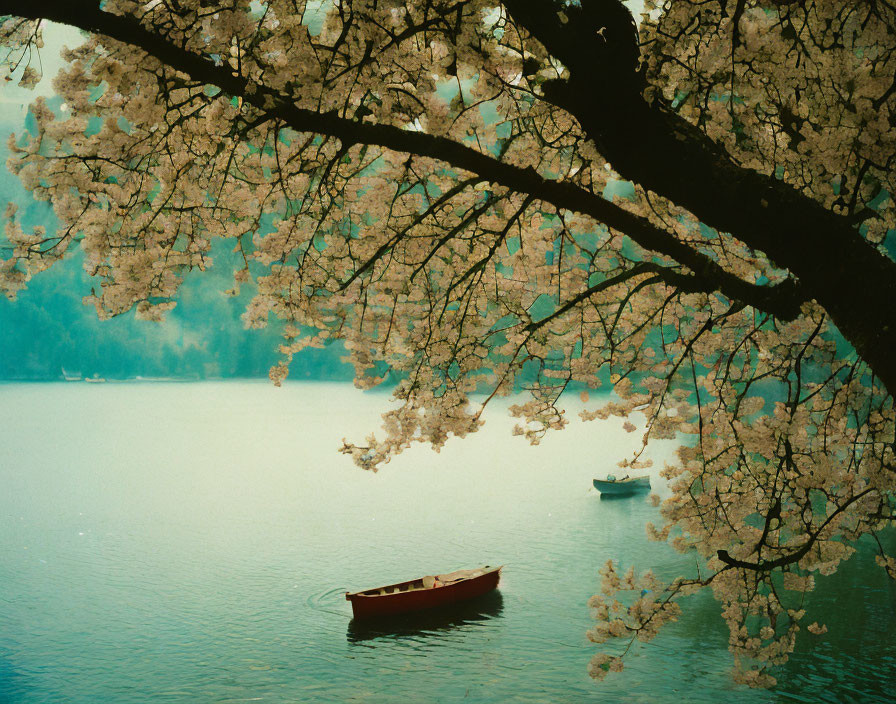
(192, 543)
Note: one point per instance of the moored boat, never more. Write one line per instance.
(427, 592)
(619, 487)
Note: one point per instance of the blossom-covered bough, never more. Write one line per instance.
(438, 185)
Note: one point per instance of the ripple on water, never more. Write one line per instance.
(208, 565)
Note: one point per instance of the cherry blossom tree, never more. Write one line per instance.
(478, 196)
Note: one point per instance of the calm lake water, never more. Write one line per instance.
(192, 543)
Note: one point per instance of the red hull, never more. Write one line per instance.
(367, 605)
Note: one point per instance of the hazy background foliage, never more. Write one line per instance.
(48, 329)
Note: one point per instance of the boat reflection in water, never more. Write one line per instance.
(456, 617)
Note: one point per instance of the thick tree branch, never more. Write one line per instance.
(797, 555)
(783, 302)
(683, 282)
(666, 154)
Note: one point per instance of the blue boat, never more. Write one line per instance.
(622, 487)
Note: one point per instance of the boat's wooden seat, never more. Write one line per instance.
(459, 575)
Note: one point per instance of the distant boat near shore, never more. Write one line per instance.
(625, 486)
(71, 376)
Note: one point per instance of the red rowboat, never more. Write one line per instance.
(424, 593)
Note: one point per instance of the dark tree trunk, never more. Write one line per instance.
(853, 281)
